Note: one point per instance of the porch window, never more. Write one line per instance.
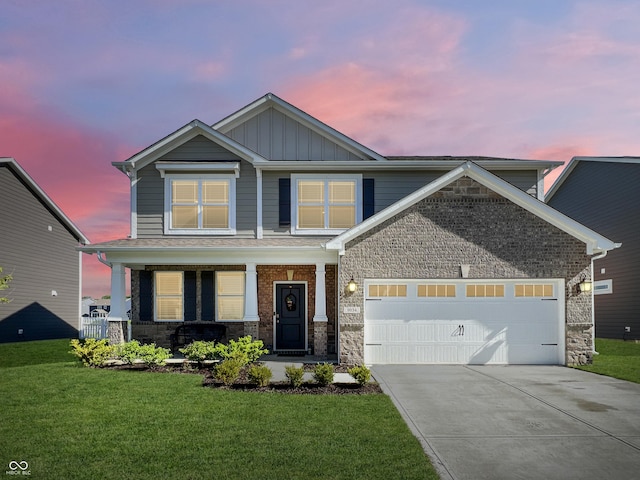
(200, 205)
(230, 296)
(322, 204)
(169, 296)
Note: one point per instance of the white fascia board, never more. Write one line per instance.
(292, 165)
(271, 100)
(594, 241)
(181, 136)
(18, 170)
(183, 167)
(222, 256)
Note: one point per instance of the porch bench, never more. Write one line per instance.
(190, 332)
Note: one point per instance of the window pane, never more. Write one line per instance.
(215, 217)
(311, 217)
(215, 191)
(342, 217)
(168, 283)
(310, 191)
(184, 217)
(169, 308)
(548, 291)
(499, 292)
(185, 191)
(342, 192)
(451, 290)
(230, 308)
(230, 283)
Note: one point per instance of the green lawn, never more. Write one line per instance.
(617, 359)
(74, 422)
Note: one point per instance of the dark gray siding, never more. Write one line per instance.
(278, 137)
(605, 197)
(40, 260)
(150, 193)
(390, 187)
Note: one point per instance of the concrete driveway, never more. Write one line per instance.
(519, 422)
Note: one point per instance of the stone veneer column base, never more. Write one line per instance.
(251, 328)
(320, 339)
(116, 331)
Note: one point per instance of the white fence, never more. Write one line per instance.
(93, 327)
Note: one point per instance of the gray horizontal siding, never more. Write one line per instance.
(40, 261)
(278, 137)
(605, 197)
(150, 194)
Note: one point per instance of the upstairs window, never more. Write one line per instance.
(200, 205)
(325, 204)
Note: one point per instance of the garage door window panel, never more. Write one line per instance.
(436, 291)
(485, 290)
(387, 290)
(533, 290)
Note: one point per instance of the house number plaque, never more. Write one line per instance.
(351, 310)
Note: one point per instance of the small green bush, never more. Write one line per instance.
(260, 375)
(245, 349)
(149, 354)
(228, 370)
(92, 352)
(199, 351)
(360, 373)
(294, 374)
(323, 373)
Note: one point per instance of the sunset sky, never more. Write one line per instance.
(84, 83)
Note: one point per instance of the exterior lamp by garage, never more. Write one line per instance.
(352, 286)
(584, 286)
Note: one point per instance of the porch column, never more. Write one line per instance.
(251, 294)
(321, 296)
(118, 314)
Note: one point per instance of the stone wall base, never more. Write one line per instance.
(579, 346)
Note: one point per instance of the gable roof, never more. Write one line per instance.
(575, 161)
(273, 101)
(17, 170)
(181, 136)
(595, 242)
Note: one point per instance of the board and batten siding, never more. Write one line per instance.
(276, 136)
(150, 187)
(40, 253)
(605, 197)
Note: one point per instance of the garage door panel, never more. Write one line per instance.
(473, 330)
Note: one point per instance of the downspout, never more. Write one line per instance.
(593, 303)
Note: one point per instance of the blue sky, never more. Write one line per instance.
(85, 83)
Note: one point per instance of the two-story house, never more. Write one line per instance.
(285, 229)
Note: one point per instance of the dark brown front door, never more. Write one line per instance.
(290, 316)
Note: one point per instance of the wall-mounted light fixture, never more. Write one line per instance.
(352, 286)
(584, 286)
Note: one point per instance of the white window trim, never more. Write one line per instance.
(155, 298)
(357, 178)
(216, 297)
(200, 231)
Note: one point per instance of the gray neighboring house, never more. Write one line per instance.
(280, 227)
(603, 193)
(38, 248)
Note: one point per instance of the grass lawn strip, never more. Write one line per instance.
(72, 422)
(617, 358)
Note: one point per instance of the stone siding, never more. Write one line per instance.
(466, 224)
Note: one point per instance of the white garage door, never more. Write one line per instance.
(464, 322)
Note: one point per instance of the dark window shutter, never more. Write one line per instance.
(146, 296)
(284, 189)
(368, 198)
(206, 280)
(189, 296)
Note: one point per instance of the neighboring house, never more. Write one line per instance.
(603, 193)
(287, 230)
(38, 248)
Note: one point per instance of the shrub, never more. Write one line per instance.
(260, 375)
(294, 374)
(360, 373)
(149, 354)
(92, 352)
(199, 351)
(228, 370)
(244, 349)
(323, 373)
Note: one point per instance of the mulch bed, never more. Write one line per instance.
(242, 384)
